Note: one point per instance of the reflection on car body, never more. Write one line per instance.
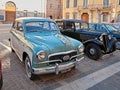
(95, 46)
(39, 43)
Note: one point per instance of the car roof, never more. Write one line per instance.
(72, 20)
(27, 19)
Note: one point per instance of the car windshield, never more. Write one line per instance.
(111, 28)
(41, 26)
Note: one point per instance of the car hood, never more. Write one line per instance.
(52, 42)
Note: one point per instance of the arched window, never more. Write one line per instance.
(10, 6)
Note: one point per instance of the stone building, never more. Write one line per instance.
(10, 10)
(54, 9)
(97, 11)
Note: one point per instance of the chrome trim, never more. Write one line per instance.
(76, 56)
(62, 53)
(40, 52)
(44, 62)
(56, 68)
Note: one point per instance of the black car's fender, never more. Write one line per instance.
(111, 45)
(95, 41)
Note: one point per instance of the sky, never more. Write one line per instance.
(30, 5)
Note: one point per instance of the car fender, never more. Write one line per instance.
(95, 41)
(111, 44)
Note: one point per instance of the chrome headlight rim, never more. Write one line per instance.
(41, 55)
(81, 48)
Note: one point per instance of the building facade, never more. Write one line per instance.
(54, 9)
(10, 10)
(96, 11)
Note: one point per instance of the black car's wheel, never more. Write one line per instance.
(29, 68)
(93, 51)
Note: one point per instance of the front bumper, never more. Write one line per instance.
(56, 68)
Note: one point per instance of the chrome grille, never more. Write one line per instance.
(62, 56)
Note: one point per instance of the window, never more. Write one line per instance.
(85, 3)
(67, 3)
(105, 3)
(75, 3)
(25, 13)
(35, 13)
(67, 15)
(74, 15)
(19, 26)
(50, 5)
(105, 17)
(40, 26)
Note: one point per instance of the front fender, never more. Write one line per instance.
(111, 45)
(95, 41)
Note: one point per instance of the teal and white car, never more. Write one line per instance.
(40, 45)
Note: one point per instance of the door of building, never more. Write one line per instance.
(85, 17)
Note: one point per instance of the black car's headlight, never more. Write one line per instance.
(41, 55)
(81, 48)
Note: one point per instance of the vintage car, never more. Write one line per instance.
(105, 27)
(116, 25)
(39, 43)
(1, 78)
(96, 43)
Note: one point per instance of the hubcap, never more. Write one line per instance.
(28, 69)
(92, 51)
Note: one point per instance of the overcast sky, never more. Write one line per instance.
(30, 5)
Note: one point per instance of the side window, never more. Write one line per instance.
(101, 28)
(19, 27)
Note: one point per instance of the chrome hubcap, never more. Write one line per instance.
(28, 69)
(92, 51)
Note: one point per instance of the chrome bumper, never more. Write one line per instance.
(56, 68)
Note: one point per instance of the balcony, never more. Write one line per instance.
(96, 6)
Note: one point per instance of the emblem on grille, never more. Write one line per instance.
(65, 58)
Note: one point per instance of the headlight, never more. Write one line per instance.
(41, 55)
(81, 48)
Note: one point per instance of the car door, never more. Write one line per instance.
(13, 36)
(69, 30)
(17, 38)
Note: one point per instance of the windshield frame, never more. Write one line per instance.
(39, 28)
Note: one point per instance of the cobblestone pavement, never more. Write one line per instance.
(14, 76)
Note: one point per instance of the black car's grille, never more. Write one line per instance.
(64, 57)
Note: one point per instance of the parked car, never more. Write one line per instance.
(105, 27)
(96, 43)
(116, 25)
(39, 43)
(1, 78)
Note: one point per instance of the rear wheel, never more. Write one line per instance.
(29, 68)
(93, 51)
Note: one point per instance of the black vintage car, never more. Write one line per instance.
(105, 27)
(96, 43)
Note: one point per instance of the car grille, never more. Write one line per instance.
(64, 57)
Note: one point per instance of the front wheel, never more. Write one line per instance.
(93, 51)
(29, 68)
